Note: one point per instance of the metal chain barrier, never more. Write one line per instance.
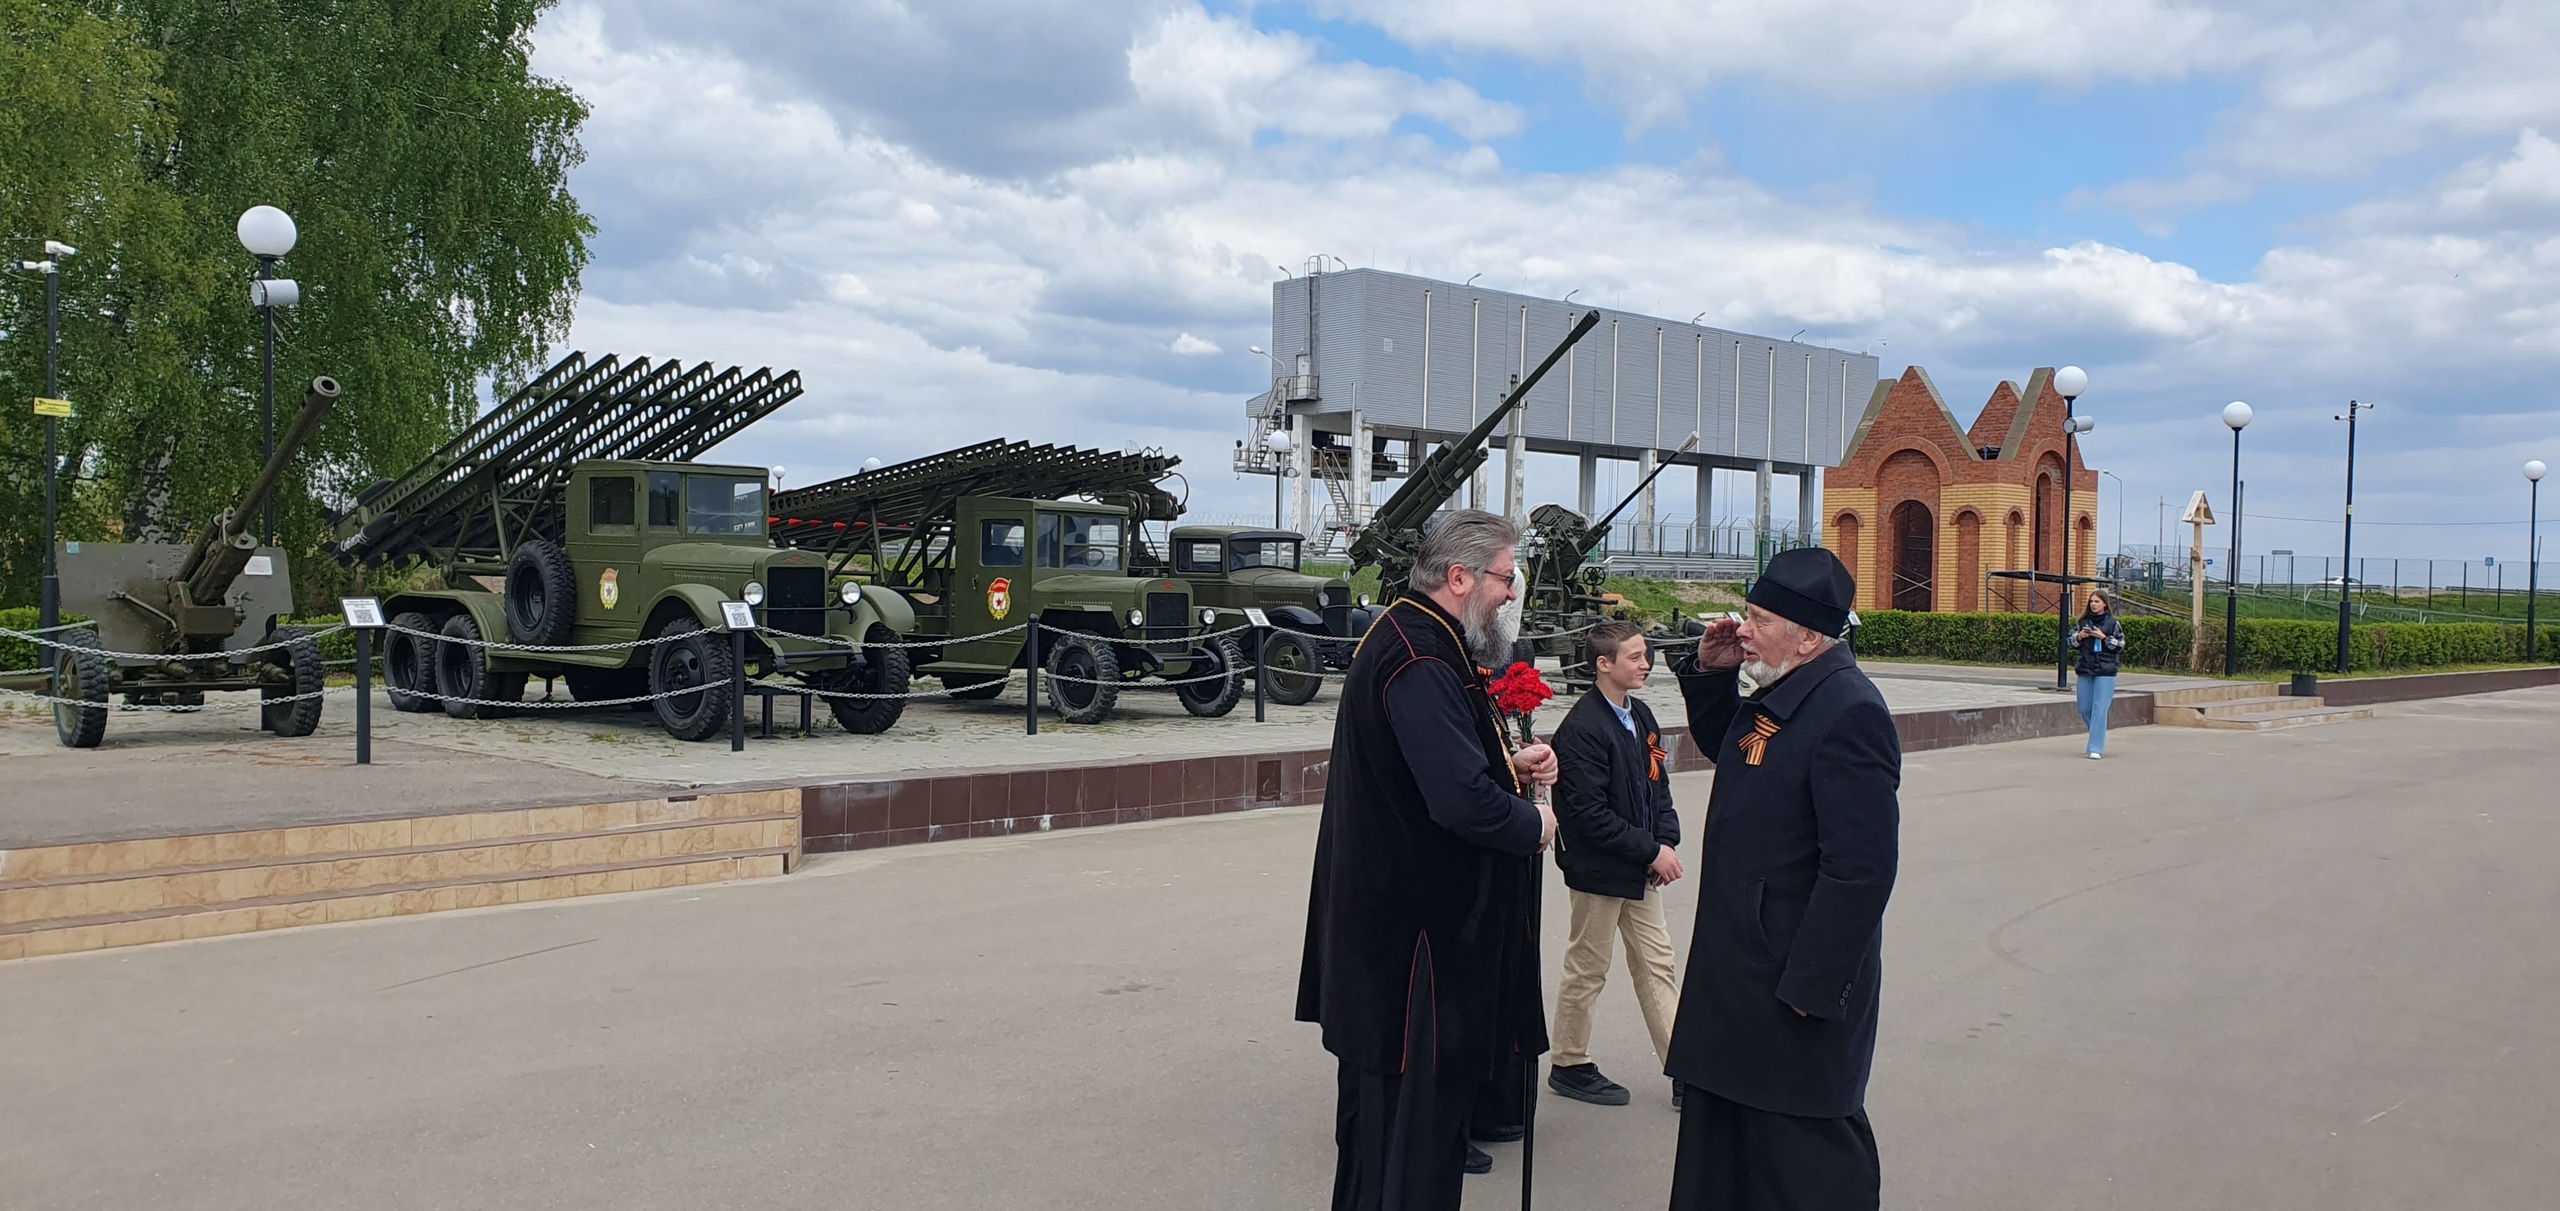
(162, 706)
(38, 639)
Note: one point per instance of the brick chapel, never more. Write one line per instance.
(1923, 512)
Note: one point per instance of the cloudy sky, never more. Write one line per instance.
(1060, 219)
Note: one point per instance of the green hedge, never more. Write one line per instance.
(2267, 645)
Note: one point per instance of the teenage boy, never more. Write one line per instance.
(1617, 843)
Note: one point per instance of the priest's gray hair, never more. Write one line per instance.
(1468, 538)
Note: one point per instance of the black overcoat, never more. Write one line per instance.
(1426, 857)
(1802, 838)
(1613, 798)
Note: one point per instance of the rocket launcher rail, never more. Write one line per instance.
(897, 499)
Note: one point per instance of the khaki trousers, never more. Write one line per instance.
(1597, 920)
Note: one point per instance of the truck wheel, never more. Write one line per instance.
(973, 687)
(689, 658)
(80, 671)
(542, 594)
(462, 673)
(409, 663)
(1290, 663)
(301, 657)
(1212, 699)
(883, 671)
(603, 685)
(1084, 679)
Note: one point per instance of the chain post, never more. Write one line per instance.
(738, 690)
(1261, 669)
(364, 696)
(1031, 679)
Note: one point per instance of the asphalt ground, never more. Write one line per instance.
(2301, 969)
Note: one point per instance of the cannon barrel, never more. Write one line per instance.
(223, 549)
(1437, 477)
(1600, 529)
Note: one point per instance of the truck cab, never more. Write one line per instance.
(1005, 560)
(1315, 620)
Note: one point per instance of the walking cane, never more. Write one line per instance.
(1529, 1063)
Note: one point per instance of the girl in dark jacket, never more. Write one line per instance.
(2098, 642)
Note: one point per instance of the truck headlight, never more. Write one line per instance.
(1137, 618)
(1365, 601)
(850, 592)
(1208, 617)
(753, 594)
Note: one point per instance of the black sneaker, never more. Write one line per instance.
(1583, 1083)
(1479, 1161)
(1497, 1135)
(1675, 1095)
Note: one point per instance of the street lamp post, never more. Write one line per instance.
(2068, 382)
(268, 234)
(49, 590)
(1277, 441)
(2532, 550)
(2236, 415)
(2347, 546)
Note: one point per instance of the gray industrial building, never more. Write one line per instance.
(1370, 368)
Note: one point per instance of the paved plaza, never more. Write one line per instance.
(2305, 969)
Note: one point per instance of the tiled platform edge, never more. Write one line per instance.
(914, 808)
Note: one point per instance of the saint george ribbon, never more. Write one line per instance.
(1756, 745)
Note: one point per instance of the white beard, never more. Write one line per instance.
(1490, 634)
(1762, 675)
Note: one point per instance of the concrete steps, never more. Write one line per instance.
(66, 898)
(2245, 706)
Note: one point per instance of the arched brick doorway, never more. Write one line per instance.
(2051, 506)
(1969, 561)
(1914, 533)
(1844, 530)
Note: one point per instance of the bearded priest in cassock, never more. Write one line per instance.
(1777, 1023)
(1420, 961)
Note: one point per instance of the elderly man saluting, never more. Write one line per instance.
(1777, 1023)
(1420, 963)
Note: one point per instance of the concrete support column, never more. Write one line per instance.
(1515, 475)
(1589, 488)
(1701, 527)
(1302, 480)
(1809, 502)
(1760, 507)
(1644, 502)
(1359, 485)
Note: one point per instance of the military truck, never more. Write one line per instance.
(978, 542)
(195, 614)
(1315, 621)
(571, 524)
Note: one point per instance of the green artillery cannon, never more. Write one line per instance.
(196, 617)
(572, 521)
(1394, 533)
(1565, 597)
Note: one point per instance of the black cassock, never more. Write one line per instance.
(1777, 1024)
(1419, 962)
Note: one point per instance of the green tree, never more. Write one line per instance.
(426, 167)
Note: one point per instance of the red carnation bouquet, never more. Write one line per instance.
(1517, 695)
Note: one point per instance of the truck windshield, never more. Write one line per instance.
(722, 504)
(1080, 543)
(1196, 557)
(1263, 553)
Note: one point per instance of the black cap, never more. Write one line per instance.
(1808, 587)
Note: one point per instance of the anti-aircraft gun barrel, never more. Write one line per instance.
(1600, 529)
(222, 551)
(1438, 476)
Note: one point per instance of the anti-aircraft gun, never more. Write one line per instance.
(572, 521)
(203, 616)
(1393, 535)
(1565, 597)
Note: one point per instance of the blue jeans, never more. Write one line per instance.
(2096, 695)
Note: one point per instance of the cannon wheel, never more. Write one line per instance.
(973, 687)
(1088, 661)
(884, 671)
(80, 671)
(1212, 699)
(1289, 660)
(462, 673)
(300, 717)
(542, 594)
(409, 663)
(692, 659)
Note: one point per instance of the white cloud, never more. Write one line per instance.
(929, 305)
